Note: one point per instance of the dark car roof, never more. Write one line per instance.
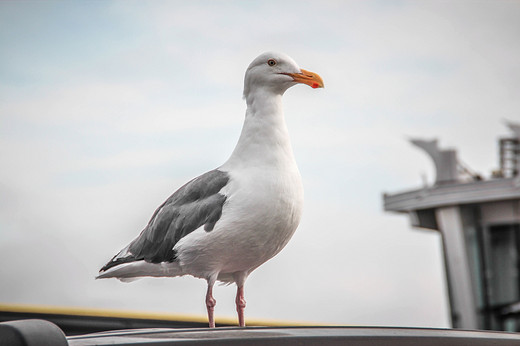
(44, 333)
(322, 336)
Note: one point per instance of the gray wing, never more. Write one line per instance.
(196, 203)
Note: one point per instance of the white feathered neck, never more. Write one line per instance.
(264, 140)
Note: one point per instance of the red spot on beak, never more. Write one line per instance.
(315, 85)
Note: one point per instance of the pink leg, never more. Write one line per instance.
(210, 305)
(241, 304)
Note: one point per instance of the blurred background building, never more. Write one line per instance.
(479, 220)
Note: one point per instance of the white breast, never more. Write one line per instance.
(261, 213)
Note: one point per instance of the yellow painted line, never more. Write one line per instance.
(96, 312)
(83, 311)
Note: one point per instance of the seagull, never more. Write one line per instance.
(225, 223)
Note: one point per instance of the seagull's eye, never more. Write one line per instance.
(271, 62)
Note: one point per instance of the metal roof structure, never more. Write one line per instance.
(479, 220)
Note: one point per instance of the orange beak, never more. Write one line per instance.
(306, 77)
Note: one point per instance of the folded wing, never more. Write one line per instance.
(197, 203)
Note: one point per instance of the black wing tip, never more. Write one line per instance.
(116, 262)
(122, 260)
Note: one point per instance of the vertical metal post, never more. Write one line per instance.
(463, 294)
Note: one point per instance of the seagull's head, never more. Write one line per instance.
(275, 73)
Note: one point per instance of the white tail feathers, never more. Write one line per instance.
(131, 271)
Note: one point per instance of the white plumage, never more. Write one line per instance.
(225, 223)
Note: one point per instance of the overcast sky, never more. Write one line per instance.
(107, 107)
